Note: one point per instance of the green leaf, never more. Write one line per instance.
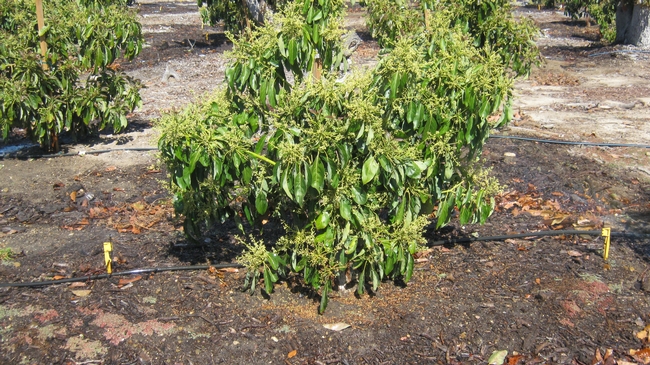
(399, 215)
(43, 31)
(300, 186)
(249, 217)
(274, 260)
(359, 195)
(465, 214)
(293, 50)
(485, 210)
(324, 297)
(385, 164)
(394, 83)
(413, 170)
(375, 278)
(318, 175)
(268, 282)
(247, 175)
(345, 209)
(281, 46)
(323, 220)
(287, 184)
(410, 263)
(352, 247)
(327, 238)
(389, 264)
(369, 170)
(485, 109)
(261, 202)
(443, 211)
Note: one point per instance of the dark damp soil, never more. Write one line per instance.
(543, 299)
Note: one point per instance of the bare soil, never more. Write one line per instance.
(544, 300)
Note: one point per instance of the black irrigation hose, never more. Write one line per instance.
(554, 141)
(224, 266)
(535, 234)
(121, 273)
(619, 51)
(80, 153)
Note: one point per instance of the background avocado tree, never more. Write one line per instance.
(351, 165)
(80, 88)
(620, 21)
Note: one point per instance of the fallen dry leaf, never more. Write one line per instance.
(292, 354)
(129, 280)
(118, 189)
(137, 206)
(598, 359)
(642, 355)
(608, 354)
(58, 277)
(336, 326)
(498, 357)
(73, 196)
(77, 284)
(58, 185)
(514, 359)
(110, 168)
(81, 293)
(574, 253)
(229, 269)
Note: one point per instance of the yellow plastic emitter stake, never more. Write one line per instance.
(108, 247)
(607, 233)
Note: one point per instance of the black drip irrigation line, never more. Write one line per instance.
(224, 266)
(535, 234)
(579, 143)
(552, 141)
(619, 51)
(150, 270)
(80, 153)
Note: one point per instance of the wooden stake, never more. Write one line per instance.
(318, 69)
(41, 24)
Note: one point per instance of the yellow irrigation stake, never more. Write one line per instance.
(607, 233)
(108, 247)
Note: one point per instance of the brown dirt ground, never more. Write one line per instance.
(545, 300)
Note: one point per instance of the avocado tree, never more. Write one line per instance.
(354, 168)
(621, 21)
(237, 15)
(76, 86)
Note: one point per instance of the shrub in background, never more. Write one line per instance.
(79, 84)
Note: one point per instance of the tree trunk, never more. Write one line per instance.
(257, 9)
(633, 23)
